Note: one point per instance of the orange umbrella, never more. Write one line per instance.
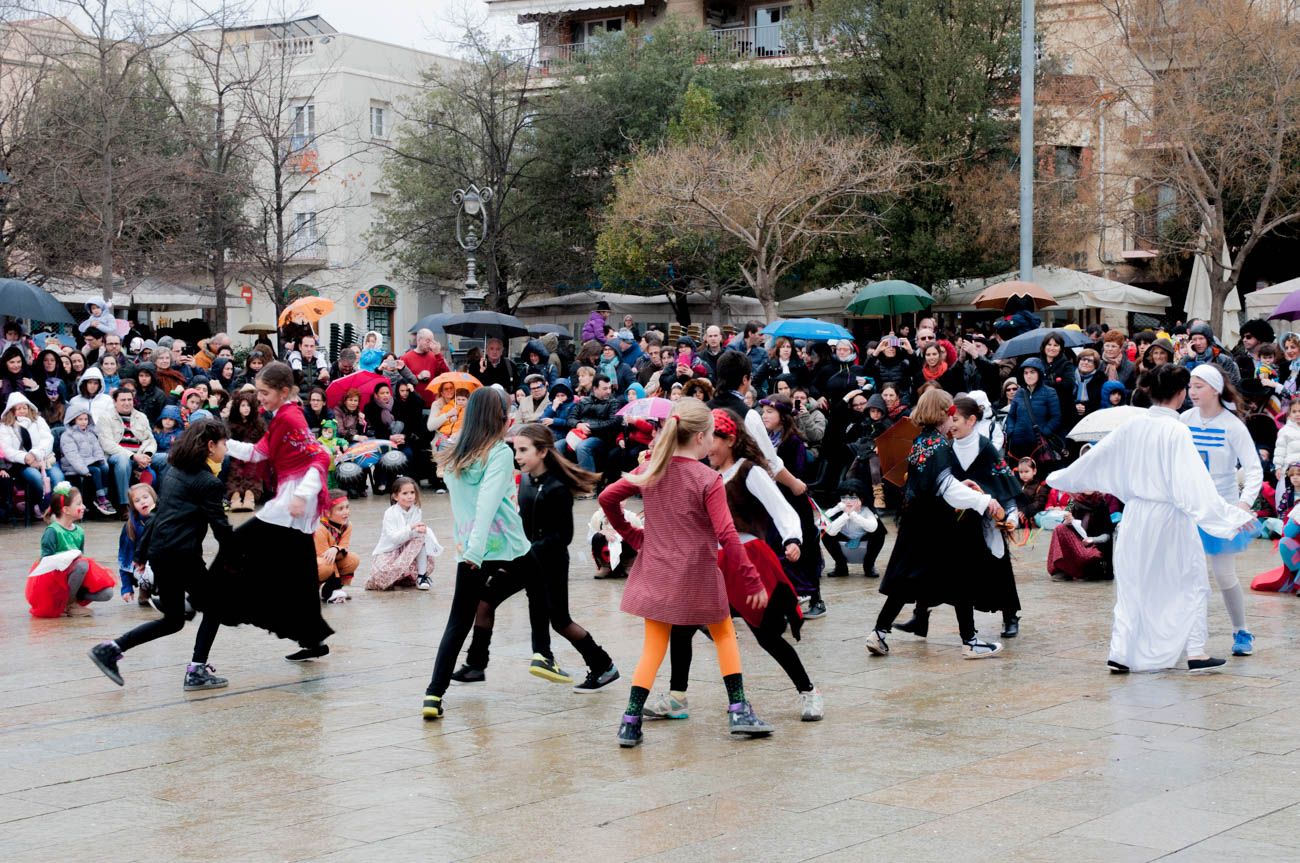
(461, 380)
(310, 309)
(996, 296)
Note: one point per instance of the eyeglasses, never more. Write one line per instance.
(1012, 389)
(1087, 360)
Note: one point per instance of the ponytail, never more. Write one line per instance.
(688, 419)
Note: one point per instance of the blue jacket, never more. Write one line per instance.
(1045, 407)
(126, 552)
(563, 424)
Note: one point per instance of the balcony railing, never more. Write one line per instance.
(765, 40)
(303, 248)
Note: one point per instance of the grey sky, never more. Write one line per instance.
(430, 25)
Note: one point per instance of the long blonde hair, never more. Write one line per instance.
(689, 418)
(484, 427)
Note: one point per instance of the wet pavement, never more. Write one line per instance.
(1037, 755)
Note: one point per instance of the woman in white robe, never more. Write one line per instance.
(1161, 583)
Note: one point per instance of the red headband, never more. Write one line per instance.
(952, 410)
(723, 424)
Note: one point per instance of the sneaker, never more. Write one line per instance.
(976, 649)
(203, 678)
(666, 706)
(468, 674)
(876, 643)
(432, 707)
(596, 681)
(741, 720)
(338, 596)
(1117, 667)
(816, 608)
(423, 582)
(105, 508)
(440, 490)
(105, 656)
(629, 731)
(1205, 664)
(603, 572)
(547, 669)
(812, 706)
(309, 653)
(1243, 643)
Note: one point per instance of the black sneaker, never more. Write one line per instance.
(203, 678)
(629, 732)
(816, 609)
(468, 674)
(423, 582)
(1205, 664)
(105, 657)
(309, 653)
(596, 681)
(1116, 667)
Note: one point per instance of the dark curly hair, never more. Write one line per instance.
(247, 430)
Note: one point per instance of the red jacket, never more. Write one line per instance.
(434, 364)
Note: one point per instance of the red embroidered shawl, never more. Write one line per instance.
(291, 451)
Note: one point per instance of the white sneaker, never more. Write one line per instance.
(876, 643)
(976, 649)
(423, 582)
(666, 706)
(812, 707)
(338, 596)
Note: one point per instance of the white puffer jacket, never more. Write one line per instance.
(11, 439)
(1287, 449)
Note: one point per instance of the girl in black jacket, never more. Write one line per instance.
(546, 490)
(172, 544)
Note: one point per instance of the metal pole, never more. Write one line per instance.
(1028, 67)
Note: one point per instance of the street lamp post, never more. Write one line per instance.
(1028, 68)
(471, 228)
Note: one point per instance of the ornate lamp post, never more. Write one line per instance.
(471, 227)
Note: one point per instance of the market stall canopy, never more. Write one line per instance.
(824, 303)
(147, 293)
(1072, 289)
(576, 307)
(1261, 303)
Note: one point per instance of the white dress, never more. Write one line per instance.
(1161, 583)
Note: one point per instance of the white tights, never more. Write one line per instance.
(1224, 569)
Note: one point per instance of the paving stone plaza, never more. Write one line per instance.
(1036, 755)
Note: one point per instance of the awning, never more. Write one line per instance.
(577, 307)
(1261, 303)
(1073, 290)
(824, 303)
(149, 293)
(555, 7)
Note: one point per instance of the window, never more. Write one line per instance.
(588, 30)
(1068, 162)
(768, 22)
(379, 121)
(305, 237)
(302, 127)
(381, 321)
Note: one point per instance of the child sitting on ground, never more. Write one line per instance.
(64, 580)
(612, 556)
(142, 500)
(335, 562)
(407, 546)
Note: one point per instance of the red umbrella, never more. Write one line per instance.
(362, 382)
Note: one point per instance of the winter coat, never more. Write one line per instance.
(487, 525)
(1041, 407)
(1287, 449)
(546, 510)
(600, 416)
(1063, 376)
(112, 425)
(150, 400)
(80, 448)
(594, 328)
(543, 367)
(898, 369)
(188, 503)
(765, 378)
(100, 404)
(38, 431)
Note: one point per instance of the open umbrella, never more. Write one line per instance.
(808, 329)
(19, 299)
(648, 409)
(996, 296)
(485, 325)
(1031, 343)
(432, 322)
(363, 382)
(460, 380)
(309, 309)
(890, 297)
(1288, 309)
(547, 329)
(1098, 424)
(258, 329)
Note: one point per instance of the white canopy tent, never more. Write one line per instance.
(1198, 305)
(1072, 289)
(573, 309)
(824, 303)
(1261, 303)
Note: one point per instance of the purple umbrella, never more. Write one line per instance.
(1288, 309)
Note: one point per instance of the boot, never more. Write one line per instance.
(878, 497)
(919, 625)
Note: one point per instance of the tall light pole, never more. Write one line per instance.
(471, 215)
(1028, 67)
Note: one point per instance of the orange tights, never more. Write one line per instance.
(656, 646)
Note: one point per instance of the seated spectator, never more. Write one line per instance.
(129, 444)
(556, 414)
(1113, 394)
(1082, 544)
(316, 411)
(1114, 364)
(596, 425)
(1087, 395)
(534, 359)
(532, 400)
(28, 445)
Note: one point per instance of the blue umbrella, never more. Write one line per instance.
(19, 299)
(1031, 343)
(808, 329)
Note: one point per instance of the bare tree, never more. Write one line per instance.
(781, 196)
(1215, 86)
(22, 74)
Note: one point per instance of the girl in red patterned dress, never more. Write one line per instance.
(277, 545)
(676, 579)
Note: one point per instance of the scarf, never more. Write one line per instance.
(385, 412)
(290, 451)
(933, 373)
(1082, 394)
(333, 528)
(609, 369)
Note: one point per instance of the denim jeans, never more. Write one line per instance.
(123, 467)
(585, 453)
(99, 474)
(36, 484)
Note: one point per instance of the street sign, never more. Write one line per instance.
(361, 300)
(246, 293)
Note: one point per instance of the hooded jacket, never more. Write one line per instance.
(594, 328)
(1113, 387)
(488, 526)
(97, 405)
(80, 448)
(542, 367)
(150, 399)
(1041, 408)
(11, 439)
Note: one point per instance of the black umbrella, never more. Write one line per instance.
(19, 299)
(483, 325)
(1031, 343)
(547, 329)
(431, 322)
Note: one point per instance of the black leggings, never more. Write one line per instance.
(770, 635)
(473, 585)
(894, 605)
(553, 580)
(169, 576)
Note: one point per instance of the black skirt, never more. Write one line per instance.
(996, 591)
(270, 571)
